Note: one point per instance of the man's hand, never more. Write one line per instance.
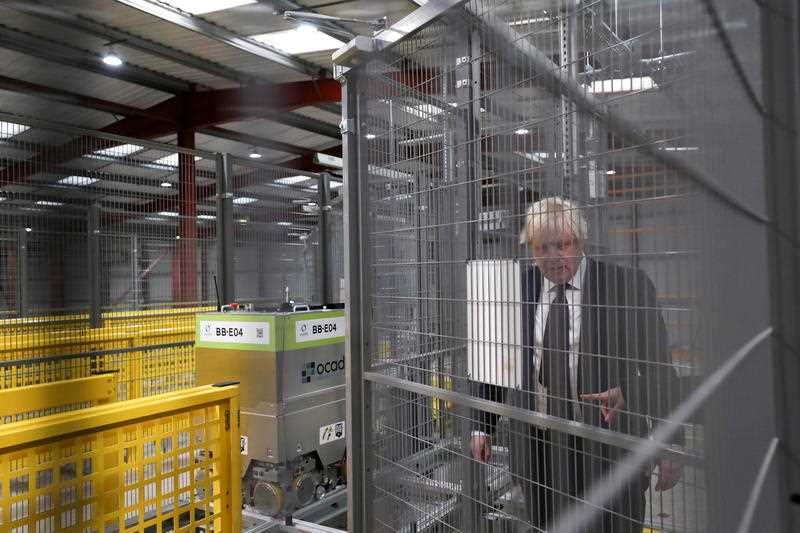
(669, 473)
(611, 402)
(481, 447)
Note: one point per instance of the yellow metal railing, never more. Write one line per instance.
(38, 336)
(163, 463)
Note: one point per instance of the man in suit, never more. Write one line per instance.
(594, 352)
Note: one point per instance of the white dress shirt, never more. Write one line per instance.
(546, 297)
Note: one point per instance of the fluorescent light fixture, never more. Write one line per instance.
(171, 160)
(244, 200)
(9, 129)
(299, 40)
(326, 160)
(421, 139)
(29, 230)
(388, 173)
(49, 203)
(622, 85)
(292, 180)
(241, 221)
(370, 136)
(200, 7)
(255, 154)
(525, 22)
(168, 213)
(112, 59)
(119, 151)
(453, 104)
(335, 184)
(536, 157)
(284, 223)
(522, 131)
(166, 184)
(80, 181)
(426, 111)
(206, 217)
(681, 148)
(611, 172)
(659, 59)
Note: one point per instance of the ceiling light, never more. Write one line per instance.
(49, 203)
(206, 217)
(611, 172)
(168, 213)
(29, 230)
(284, 223)
(620, 85)
(522, 131)
(80, 181)
(370, 136)
(9, 129)
(112, 58)
(244, 200)
(255, 154)
(171, 160)
(299, 41)
(292, 180)
(306, 29)
(119, 151)
(166, 184)
(200, 7)
(241, 221)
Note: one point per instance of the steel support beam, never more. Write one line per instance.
(226, 278)
(53, 11)
(70, 56)
(358, 396)
(254, 140)
(223, 35)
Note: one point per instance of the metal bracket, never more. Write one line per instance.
(347, 126)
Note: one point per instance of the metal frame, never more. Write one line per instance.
(780, 110)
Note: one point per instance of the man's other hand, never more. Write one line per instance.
(669, 473)
(481, 447)
(611, 402)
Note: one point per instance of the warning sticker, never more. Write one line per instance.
(243, 445)
(331, 432)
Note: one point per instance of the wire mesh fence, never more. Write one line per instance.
(549, 205)
(276, 218)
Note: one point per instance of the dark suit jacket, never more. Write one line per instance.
(622, 335)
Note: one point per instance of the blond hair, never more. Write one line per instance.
(553, 213)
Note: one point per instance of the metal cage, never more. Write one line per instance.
(604, 162)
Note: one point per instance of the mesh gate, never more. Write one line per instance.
(597, 162)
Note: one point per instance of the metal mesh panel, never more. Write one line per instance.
(485, 413)
(275, 217)
(335, 262)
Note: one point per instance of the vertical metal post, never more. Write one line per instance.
(358, 395)
(93, 247)
(135, 270)
(22, 272)
(780, 47)
(324, 190)
(225, 243)
(568, 38)
(461, 244)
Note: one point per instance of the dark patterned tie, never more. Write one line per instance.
(555, 356)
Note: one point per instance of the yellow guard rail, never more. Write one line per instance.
(162, 463)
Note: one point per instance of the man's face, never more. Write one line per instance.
(557, 254)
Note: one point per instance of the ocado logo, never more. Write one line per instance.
(320, 369)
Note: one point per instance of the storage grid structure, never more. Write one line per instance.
(671, 128)
(111, 245)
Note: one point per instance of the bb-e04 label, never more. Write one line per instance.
(316, 329)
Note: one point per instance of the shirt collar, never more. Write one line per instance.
(576, 282)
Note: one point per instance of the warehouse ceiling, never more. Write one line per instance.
(176, 53)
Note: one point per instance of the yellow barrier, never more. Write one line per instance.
(38, 336)
(34, 398)
(163, 463)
